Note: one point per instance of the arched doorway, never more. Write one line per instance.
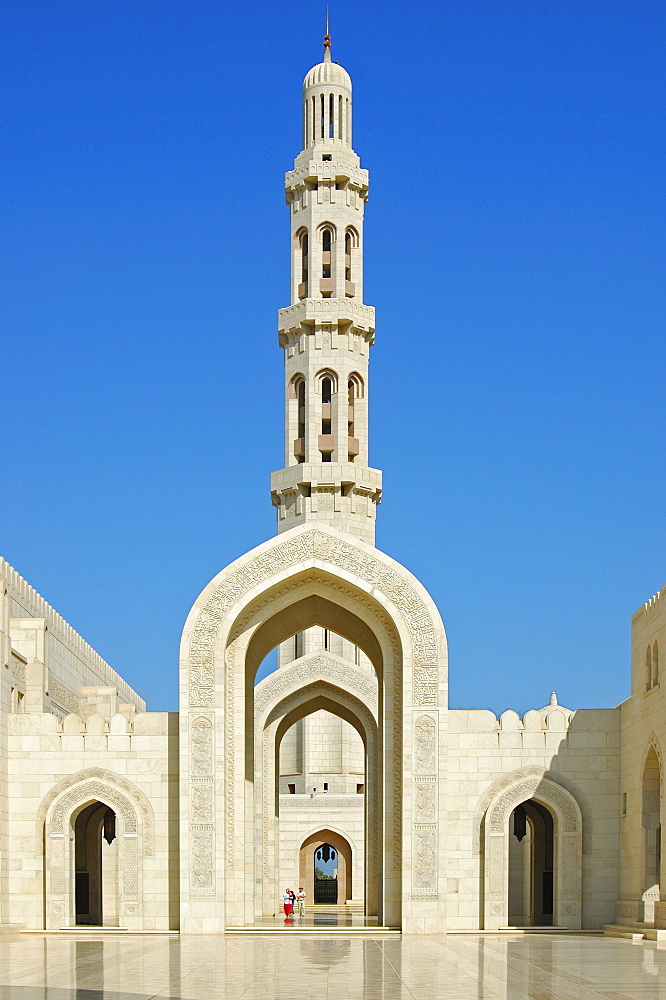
(95, 829)
(95, 866)
(326, 864)
(281, 701)
(531, 860)
(651, 823)
(310, 577)
(532, 840)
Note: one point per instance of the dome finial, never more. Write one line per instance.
(327, 41)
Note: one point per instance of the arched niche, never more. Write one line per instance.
(60, 821)
(305, 577)
(567, 850)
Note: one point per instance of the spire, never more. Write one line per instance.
(327, 41)
(553, 698)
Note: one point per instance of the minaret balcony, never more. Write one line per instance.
(311, 312)
(342, 168)
(309, 475)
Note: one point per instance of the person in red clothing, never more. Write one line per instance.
(288, 897)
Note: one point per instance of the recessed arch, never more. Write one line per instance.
(253, 597)
(322, 375)
(326, 227)
(309, 846)
(291, 703)
(356, 385)
(61, 814)
(294, 382)
(567, 849)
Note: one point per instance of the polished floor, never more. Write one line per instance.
(547, 967)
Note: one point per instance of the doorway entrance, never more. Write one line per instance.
(326, 868)
(96, 866)
(531, 874)
(326, 875)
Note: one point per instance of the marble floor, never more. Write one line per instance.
(545, 967)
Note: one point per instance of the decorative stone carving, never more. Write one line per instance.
(201, 745)
(425, 745)
(425, 803)
(131, 869)
(202, 859)
(58, 866)
(304, 671)
(425, 859)
(202, 801)
(17, 667)
(496, 860)
(63, 696)
(230, 757)
(134, 798)
(525, 790)
(91, 790)
(337, 552)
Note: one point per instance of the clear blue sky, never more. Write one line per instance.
(515, 246)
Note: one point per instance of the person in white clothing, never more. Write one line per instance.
(288, 898)
(300, 899)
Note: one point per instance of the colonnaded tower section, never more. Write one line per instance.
(326, 333)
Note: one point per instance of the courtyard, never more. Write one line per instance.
(321, 967)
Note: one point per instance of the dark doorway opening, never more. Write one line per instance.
(95, 862)
(531, 873)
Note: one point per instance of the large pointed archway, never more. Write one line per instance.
(310, 577)
(312, 685)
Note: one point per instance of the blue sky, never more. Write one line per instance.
(515, 246)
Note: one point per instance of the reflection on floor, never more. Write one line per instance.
(325, 968)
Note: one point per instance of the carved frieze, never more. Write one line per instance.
(336, 551)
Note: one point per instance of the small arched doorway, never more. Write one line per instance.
(325, 867)
(531, 860)
(326, 875)
(651, 823)
(95, 866)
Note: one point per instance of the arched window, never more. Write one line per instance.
(354, 392)
(655, 663)
(648, 668)
(327, 245)
(323, 123)
(303, 290)
(331, 106)
(351, 395)
(340, 117)
(348, 250)
(326, 389)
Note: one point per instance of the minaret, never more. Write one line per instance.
(327, 331)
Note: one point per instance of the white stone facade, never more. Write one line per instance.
(434, 819)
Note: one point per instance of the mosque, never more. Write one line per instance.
(342, 771)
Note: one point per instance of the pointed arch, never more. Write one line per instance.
(568, 844)
(60, 808)
(328, 579)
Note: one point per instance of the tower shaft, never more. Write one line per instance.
(326, 332)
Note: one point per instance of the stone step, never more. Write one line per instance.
(631, 933)
(317, 930)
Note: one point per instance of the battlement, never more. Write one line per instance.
(26, 603)
(652, 607)
(124, 723)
